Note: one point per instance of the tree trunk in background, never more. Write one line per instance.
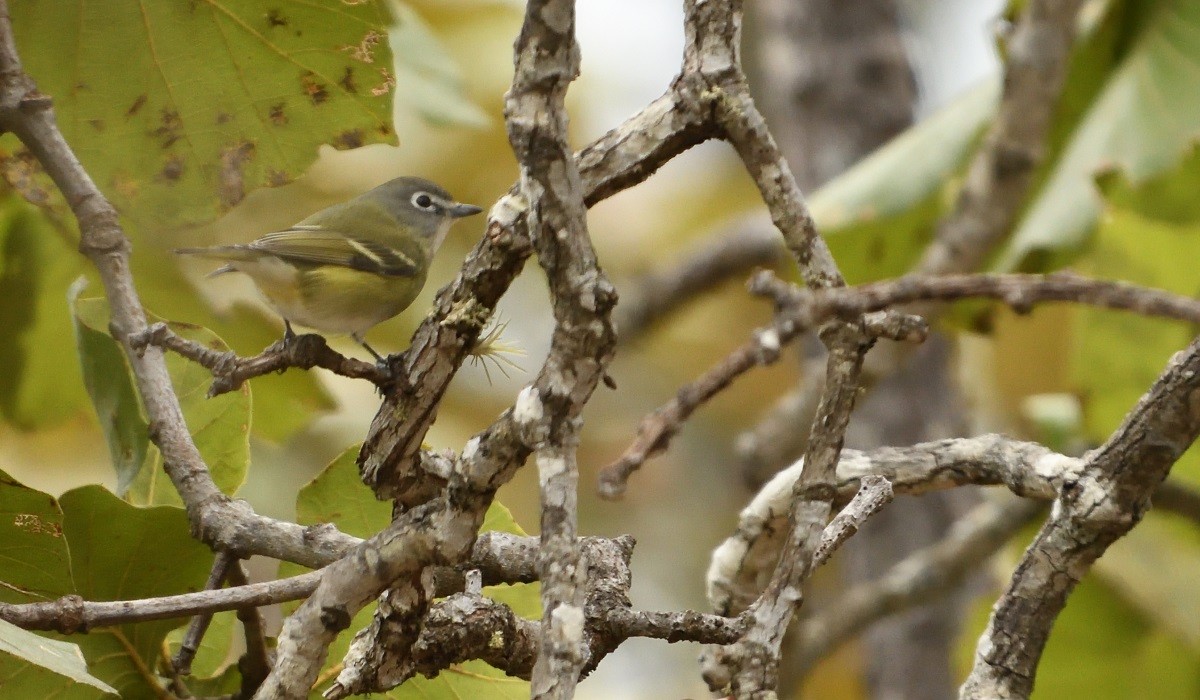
(840, 85)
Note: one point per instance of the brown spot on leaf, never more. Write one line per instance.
(97, 124)
(350, 138)
(137, 105)
(224, 117)
(170, 128)
(24, 174)
(275, 18)
(277, 178)
(385, 129)
(347, 81)
(315, 90)
(36, 525)
(126, 186)
(231, 185)
(172, 170)
(389, 81)
(365, 49)
(276, 115)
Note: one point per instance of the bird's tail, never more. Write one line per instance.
(229, 253)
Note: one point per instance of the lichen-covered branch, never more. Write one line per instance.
(581, 346)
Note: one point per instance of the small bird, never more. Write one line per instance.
(355, 264)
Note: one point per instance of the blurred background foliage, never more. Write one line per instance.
(216, 122)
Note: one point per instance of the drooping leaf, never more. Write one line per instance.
(110, 385)
(220, 426)
(41, 384)
(283, 403)
(178, 109)
(32, 666)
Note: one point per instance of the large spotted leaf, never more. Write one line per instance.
(178, 108)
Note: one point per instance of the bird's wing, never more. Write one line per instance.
(318, 245)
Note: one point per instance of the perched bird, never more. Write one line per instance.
(352, 265)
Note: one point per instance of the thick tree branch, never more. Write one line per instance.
(1107, 498)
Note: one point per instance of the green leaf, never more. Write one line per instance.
(34, 562)
(1099, 650)
(32, 666)
(879, 215)
(337, 495)
(1157, 571)
(474, 679)
(123, 552)
(429, 80)
(110, 386)
(1130, 247)
(41, 384)
(1168, 197)
(1142, 119)
(178, 109)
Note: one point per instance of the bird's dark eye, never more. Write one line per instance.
(423, 201)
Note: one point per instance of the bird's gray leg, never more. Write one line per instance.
(359, 339)
(288, 333)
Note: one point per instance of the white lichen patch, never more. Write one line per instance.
(549, 468)
(528, 408)
(506, 211)
(568, 620)
(726, 562)
(470, 449)
(1056, 468)
(769, 340)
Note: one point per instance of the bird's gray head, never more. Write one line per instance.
(423, 205)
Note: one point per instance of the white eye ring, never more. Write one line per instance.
(423, 200)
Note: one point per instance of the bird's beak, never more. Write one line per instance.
(460, 210)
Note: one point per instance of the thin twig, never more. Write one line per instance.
(72, 614)
(230, 370)
(874, 493)
(256, 663)
(182, 663)
(806, 309)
